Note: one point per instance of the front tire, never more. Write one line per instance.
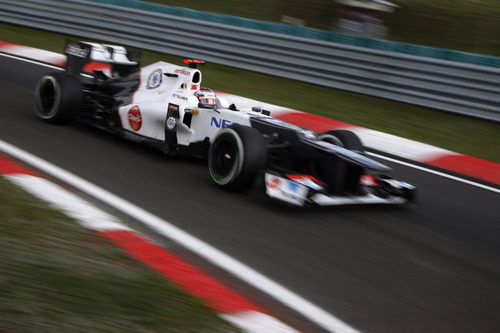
(343, 138)
(342, 177)
(58, 98)
(236, 156)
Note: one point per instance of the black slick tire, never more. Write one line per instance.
(236, 156)
(342, 178)
(58, 98)
(343, 138)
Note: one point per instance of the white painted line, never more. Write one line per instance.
(72, 205)
(93, 218)
(398, 146)
(257, 322)
(309, 310)
(39, 63)
(438, 173)
(30, 61)
(32, 53)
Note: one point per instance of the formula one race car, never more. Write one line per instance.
(164, 105)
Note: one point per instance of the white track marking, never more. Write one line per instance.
(438, 173)
(398, 146)
(309, 310)
(256, 322)
(36, 62)
(96, 219)
(72, 205)
(30, 61)
(91, 217)
(32, 53)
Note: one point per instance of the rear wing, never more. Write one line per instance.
(122, 60)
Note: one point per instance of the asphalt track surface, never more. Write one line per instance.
(429, 266)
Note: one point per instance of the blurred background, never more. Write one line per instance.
(465, 25)
(430, 266)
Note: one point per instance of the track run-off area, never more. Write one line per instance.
(431, 265)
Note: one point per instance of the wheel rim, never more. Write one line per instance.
(48, 95)
(331, 139)
(224, 159)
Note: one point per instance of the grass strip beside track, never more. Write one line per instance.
(469, 136)
(56, 276)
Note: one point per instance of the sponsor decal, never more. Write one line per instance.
(182, 71)
(184, 98)
(221, 123)
(173, 109)
(285, 190)
(76, 51)
(308, 181)
(171, 123)
(368, 180)
(154, 79)
(273, 183)
(397, 184)
(294, 187)
(135, 118)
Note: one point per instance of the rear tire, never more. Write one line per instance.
(236, 156)
(58, 98)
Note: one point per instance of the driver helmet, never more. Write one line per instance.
(206, 97)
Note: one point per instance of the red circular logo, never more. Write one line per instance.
(135, 118)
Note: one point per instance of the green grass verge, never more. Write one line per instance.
(56, 276)
(462, 134)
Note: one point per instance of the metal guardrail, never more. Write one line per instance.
(453, 87)
(312, 33)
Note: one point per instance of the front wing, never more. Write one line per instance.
(301, 190)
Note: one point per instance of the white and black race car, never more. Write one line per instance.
(164, 105)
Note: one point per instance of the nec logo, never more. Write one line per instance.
(221, 122)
